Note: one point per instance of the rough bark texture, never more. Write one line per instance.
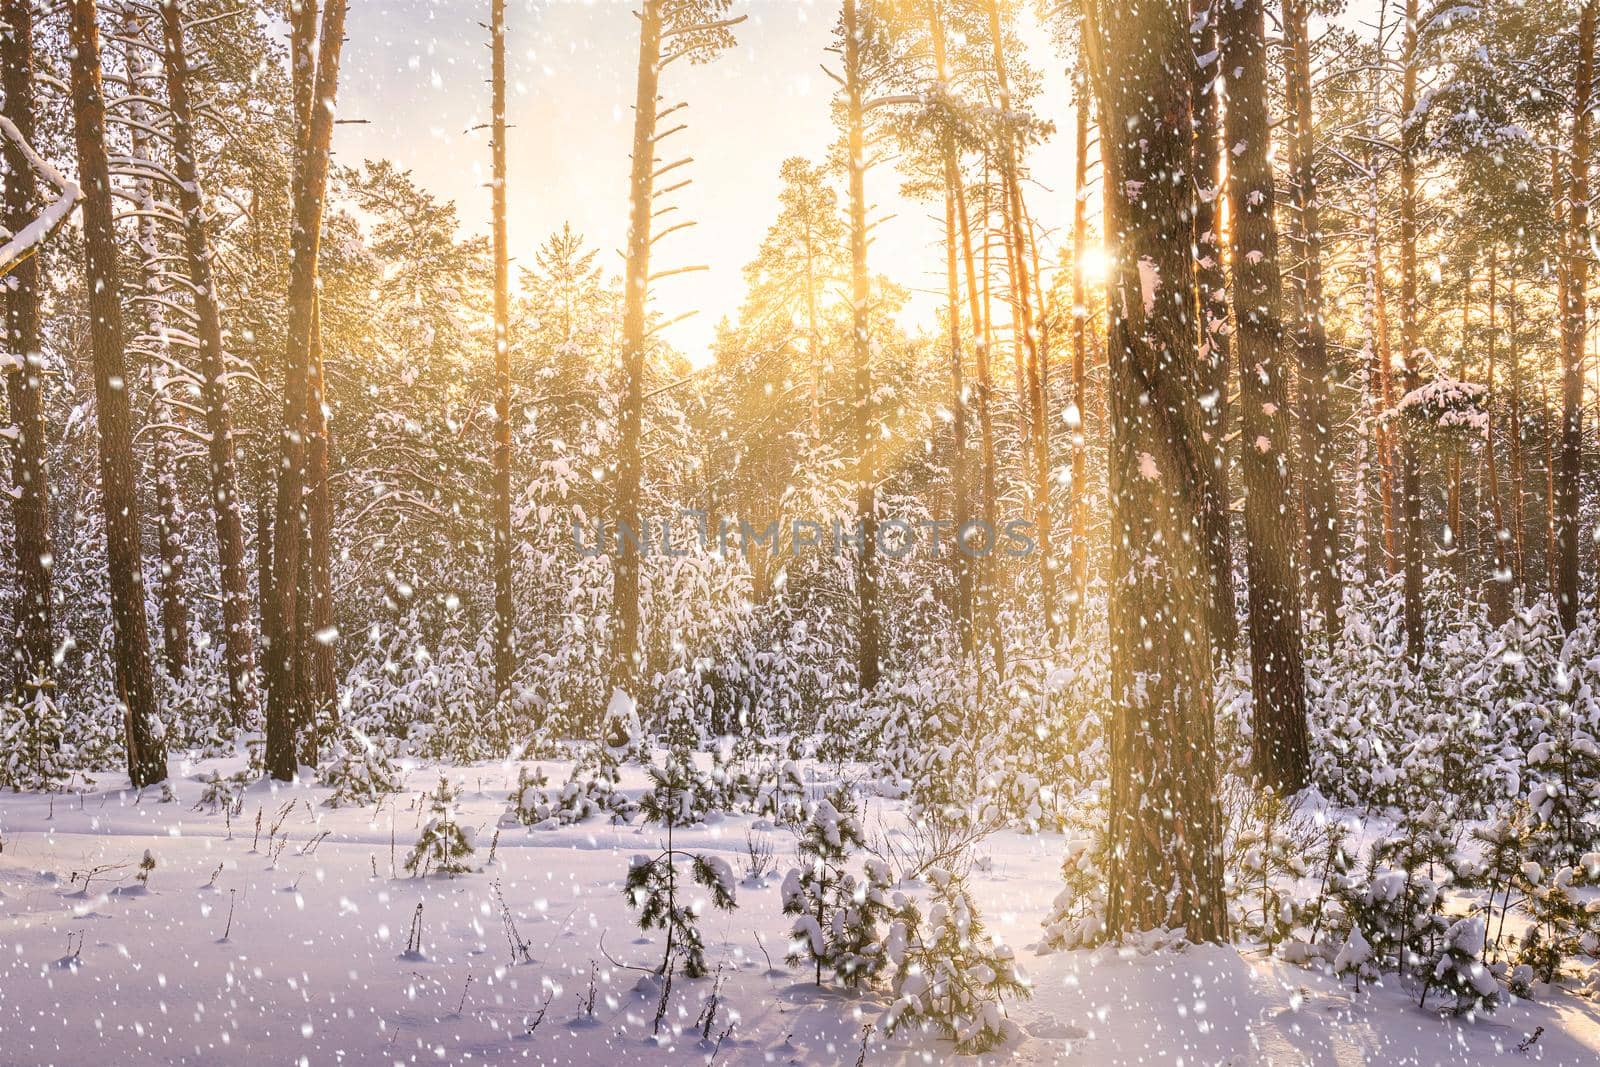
(238, 636)
(1574, 322)
(1165, 858)
(1320, 458)
(1028, 342)
(288, 548)
(983, 394)
(960, 504)
(1411, 532)
(866, 450)
(1211, 298)
(1280, 753)
(504, 609)
(1498, 589)
(173, 607)
(1080, 343)
(24, 366)
(627, 657)
(147, 755)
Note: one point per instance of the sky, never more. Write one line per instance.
(416, 73)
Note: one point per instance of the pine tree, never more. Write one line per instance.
(145, 733)
(839, 917)
(654, 884)
(1165, 867)
(442, 847)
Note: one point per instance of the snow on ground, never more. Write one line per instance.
(314, 968)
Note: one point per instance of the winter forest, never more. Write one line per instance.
(799, 531)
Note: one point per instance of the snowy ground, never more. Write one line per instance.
(313, 969)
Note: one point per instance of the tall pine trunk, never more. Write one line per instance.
(134, 679)
(1499, 586)
(627, 656)
(238, 637)
(1411, 532)
(1165, 844)
(1027, 344)
(24, 363)
(961, 505)
(985, 594)
(1277, 676)
(173, 608)
(1311, 336)
(1574, 324)
(1211, 301)
(504, 608)
(289, 515)
(1080, 343)
(867, 623)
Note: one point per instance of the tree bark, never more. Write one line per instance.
(1498, 590)
(170, 594)
(1323, 522)
(1574, 323)
(1028, 343)
(958, 390)
(1211, 298)
(1411, 532)
(146, 747)
(867, 649)
(504, 606)
(1080, 343)
(288, 549)
(1165, 845)
(238, 639)
(30, 475)
(985, 593)
(1279, 747)
(627, 657)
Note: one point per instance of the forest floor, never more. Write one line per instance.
(314, 968)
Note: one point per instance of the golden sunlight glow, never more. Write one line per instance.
(1096, 264)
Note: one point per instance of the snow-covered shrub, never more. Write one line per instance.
(1267, 842)
(360, 768)
(949, 975)
(444, 845)
(1398, 904)
(1560, 925)
(36, 752)
(839, 916)
(1458, 973)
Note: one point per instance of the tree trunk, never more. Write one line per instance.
(1280, 755)
(1519, 519)
(1498, 591)
(1165, 845)
(238, 640)
(316, 675)
(288, 551)
(1311, 336)
(1574, 324)
(170, 595)
(627, 657)
(147, 755)
(986, 592)
(1080, 342)
(1211, 299)
(1411, 532)
(504, 607)
(1027, 345)
(958, 389)
(25, 367)
(867, 650)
